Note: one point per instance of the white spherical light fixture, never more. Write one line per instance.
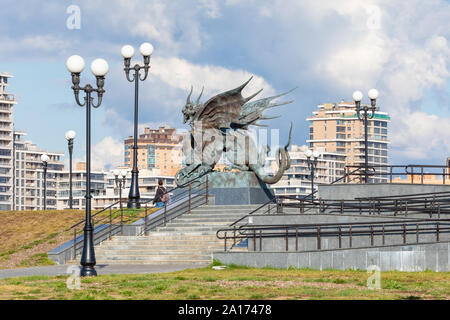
(146, 49)
(123, 173)
(116, 172)
(309, 153)
(45, 158)
(70, 135)
(315, 154)
(357, 96)
(127, 51)
(75, 64)
(373, 94)
(99, 67)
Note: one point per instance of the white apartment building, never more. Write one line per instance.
(28, 176)
(103, 187)
(297, 179)
(7, 102)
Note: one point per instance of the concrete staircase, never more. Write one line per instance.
(190, 238)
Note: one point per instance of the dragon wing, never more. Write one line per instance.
(253, 111)
(231, 110)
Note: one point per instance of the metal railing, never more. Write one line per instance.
(435, 203)
(276, 204)
(412, 173)
(110, 221)
(433, 229)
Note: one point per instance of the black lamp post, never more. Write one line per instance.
(70, 135)
(364, 116)
(99, 67)
(120, 182)
(127, 51)
(44, 159)
(312, 165)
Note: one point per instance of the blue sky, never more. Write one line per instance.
(326, 48)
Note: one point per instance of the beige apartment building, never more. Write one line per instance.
(335, 128)
(157, 149)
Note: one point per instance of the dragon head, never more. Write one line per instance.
(191, 108)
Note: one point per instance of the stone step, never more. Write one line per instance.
(165, 243)
(163, 250)
(200, 263)
(229, 207)
(151, 258)
(162, 235)
(220, 211)
(188, 229)
(167, 240)
(190, 238)
(154, 252)
(207, 218)
(211, 224)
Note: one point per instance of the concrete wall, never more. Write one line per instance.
(352, 191)
(418, 257)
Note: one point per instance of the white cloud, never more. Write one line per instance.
(108, 154)
(181, 74)
(404, 57)
(33, 45)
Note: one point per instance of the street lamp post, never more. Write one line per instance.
(44, 159)
(99, 67)
(312, 165)
(127, 51)
(364, 116)
(120, 182)
(70, 135)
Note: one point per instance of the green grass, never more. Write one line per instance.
(234, 283)
(39, 259)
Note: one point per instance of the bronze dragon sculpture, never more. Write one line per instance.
(221, 125)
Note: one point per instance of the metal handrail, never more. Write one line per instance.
(168, 213)
(350, 230)
(303, 198)
(407, 173)
(113, 227)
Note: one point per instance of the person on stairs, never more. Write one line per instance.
(161, 196)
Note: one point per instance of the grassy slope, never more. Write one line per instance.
(234, 283)
(27, 236)
(24, 234)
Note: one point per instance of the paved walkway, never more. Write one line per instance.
(101, 269)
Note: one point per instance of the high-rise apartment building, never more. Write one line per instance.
(158, 149)
(7, 102)
(335, 127)
(28, 181)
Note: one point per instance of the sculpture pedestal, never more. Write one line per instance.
(238, 188)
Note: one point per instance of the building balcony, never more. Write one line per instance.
(7, 97)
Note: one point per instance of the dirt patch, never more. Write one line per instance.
(14, 260)
(286, 284)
